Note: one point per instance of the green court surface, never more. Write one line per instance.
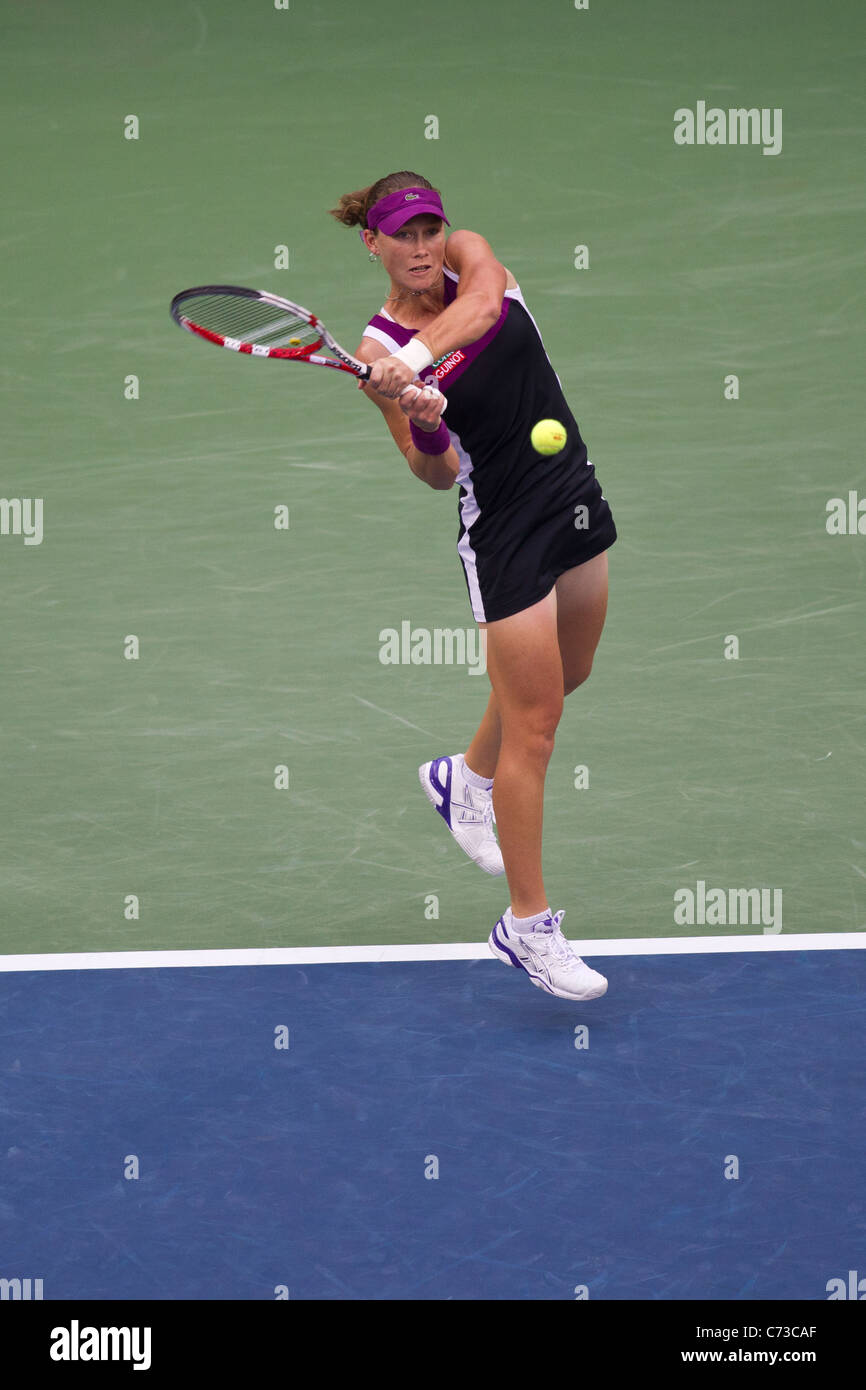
(260, 647)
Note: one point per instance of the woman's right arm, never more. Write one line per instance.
(438, 471)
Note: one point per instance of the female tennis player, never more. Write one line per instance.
(533, 535)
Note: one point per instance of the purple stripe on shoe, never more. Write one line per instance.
(503, 946)
(443, 788)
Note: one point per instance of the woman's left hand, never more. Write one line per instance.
(422, 405)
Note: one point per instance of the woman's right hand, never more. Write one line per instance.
(390, 375)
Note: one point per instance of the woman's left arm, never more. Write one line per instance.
(474, 311)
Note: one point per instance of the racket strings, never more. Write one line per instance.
(252, 321)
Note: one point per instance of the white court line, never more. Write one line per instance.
(465, 950)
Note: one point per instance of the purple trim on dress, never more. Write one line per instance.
(394, 330)
(456, 363)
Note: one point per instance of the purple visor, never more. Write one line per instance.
(389, 214)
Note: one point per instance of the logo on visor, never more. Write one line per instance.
(409, 196)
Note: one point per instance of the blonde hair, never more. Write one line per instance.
(352, 208)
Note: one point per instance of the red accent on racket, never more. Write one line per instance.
(263, 325)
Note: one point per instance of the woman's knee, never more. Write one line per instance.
(533, 729)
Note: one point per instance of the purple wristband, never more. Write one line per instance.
(430, 441)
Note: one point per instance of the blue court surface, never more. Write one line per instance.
(559, 1166)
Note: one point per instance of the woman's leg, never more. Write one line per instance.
(483, 751)
(581, 606)
(525, 669)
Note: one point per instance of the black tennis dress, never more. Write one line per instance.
(525, 518)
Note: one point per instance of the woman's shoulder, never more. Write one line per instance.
(463, 242)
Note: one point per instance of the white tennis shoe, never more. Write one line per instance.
(467, 811)
(547, 958)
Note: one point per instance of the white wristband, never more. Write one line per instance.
(416, 355)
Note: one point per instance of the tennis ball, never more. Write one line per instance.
(548, 437)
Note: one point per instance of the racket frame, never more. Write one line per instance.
(345, 361)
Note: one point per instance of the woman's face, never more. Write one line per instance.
(413, 256)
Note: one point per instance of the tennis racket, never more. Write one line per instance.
(265, 325)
